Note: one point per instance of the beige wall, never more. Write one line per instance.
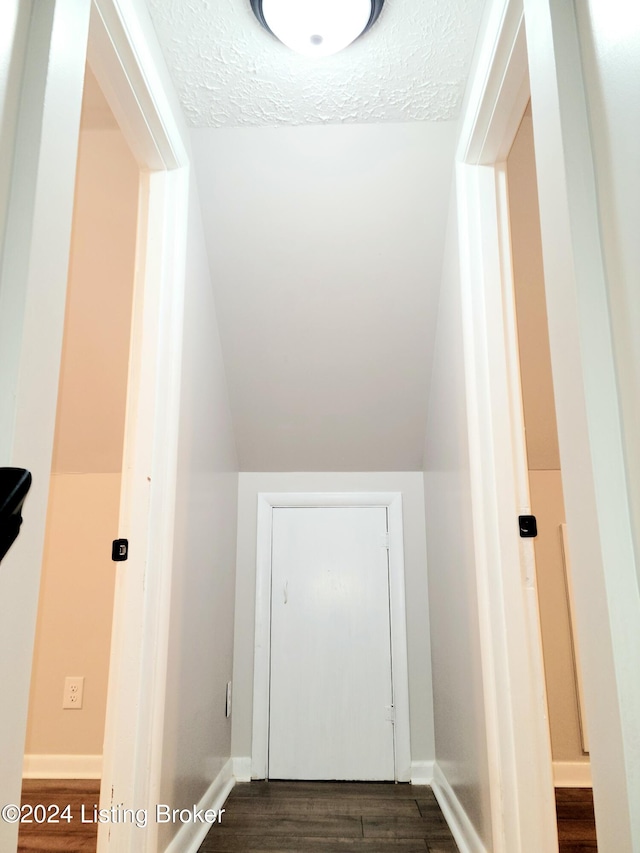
(410, 484)
(545, 478)
(95, 354)
(74, 614)
(76, 598)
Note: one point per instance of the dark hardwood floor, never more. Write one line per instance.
(332, 817)
(576, 820)
(72, 836)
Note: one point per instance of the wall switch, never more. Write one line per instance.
(228, 705)
(73, 690)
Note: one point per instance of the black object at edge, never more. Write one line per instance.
(528, 526)
(14, 486)
(119, 550)
(376, 8)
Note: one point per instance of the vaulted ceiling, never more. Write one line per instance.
(325, 243)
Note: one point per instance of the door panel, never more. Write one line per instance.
(330, 645)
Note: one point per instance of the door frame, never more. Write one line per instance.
(267, 502)
(118, 40)
(546, 61)
(120, 54)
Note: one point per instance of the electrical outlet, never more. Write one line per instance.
(73, 691)
(228, 704)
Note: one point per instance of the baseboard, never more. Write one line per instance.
(62, 767)
(421, 772)
(572, 774)
(463, 830)
(191, 835)
(242, 768)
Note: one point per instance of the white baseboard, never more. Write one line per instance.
(421, 772)
(242, 768)
(463, 830)
(62, 767)
(191, 835)
(572, 774)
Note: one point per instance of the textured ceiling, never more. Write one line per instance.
(411, 66)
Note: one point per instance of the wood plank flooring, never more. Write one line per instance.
(576, 820)
(332, 817)
(72, 836)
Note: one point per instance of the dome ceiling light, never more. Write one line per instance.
(317, 27)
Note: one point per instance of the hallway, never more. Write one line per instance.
(331, 817)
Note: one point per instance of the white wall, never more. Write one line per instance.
(197, 735)
(458, 700)
(326, 243)
(14, 25)
(419, 654)
(32, 291)
(610, 44)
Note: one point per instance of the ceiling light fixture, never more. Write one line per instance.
(317, 27)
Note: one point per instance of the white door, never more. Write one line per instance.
(331, 696)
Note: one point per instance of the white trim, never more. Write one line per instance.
(572, 774)
(422, 772)
(242, 768)
(62, 767)
(121, 56)
(266, 503)
(521, 782)
(589, 431)
(191, 835)
(463, 830)
(33, 283)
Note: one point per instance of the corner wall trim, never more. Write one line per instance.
(422, 772)
(572, 774)
(62, 767)
(242, 768)
(463, 830)
(191, 835)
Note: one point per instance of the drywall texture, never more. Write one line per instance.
(197, 735)
(229, 71)
(76, 599)
(418, 643)
(545, 480)
(458, 700)
(95, 354)
(327, 246)
(610, 46)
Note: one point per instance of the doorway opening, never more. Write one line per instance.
(60, 39)
(544, 63)
(560, 648)
(70, 672)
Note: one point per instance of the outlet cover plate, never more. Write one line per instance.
(73, 693)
